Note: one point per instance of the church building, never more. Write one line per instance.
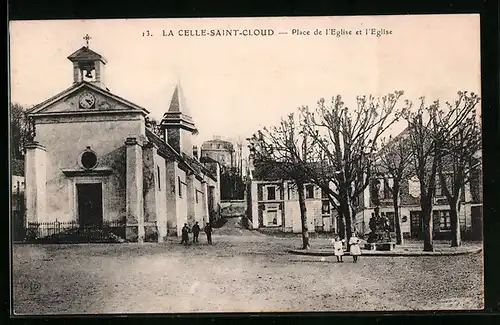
(94, 159)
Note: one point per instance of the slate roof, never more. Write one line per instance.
(85, 54)
(164, 148)
(280, 171)
(209, 160)
(178, 113)
(170, 153)
(178, 102)
(198, 166)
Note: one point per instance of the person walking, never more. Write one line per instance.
(338, 247)
(208, 231)
(185, 234)
(196, 232)
(354, 244)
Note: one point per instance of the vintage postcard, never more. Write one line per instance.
(246, 165)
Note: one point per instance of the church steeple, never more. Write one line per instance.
(177, 123)
(88, 65)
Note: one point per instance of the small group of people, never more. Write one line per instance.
(196, 232)
(354, 250)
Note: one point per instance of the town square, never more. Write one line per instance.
(253, 273)
(240, 173)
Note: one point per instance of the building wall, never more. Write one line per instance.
(155, 193)
(182, 199)
(180, 140)
(171, 189)
(195, 201)
(223, 157)
(215, 184)
(220, 151)
(161, 195)
(409, 206)
(176, 198)
(286, 206)
(190, 196)
(66, 140)
(200, 213)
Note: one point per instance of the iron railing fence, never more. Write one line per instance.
(73, 231)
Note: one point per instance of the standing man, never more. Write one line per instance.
(185, 234)
(196, 232)
(208, 231)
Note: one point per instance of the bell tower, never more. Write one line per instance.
(177, 124)
(88, 65)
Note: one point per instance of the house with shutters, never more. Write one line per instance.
(273, 203)
(95, 159)
(470, 213)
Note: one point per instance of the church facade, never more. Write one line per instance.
(94, 159)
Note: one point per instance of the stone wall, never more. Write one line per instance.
(155, 194)
(176, 198)
(65, 141)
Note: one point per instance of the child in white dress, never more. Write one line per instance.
(354, 250)
(338, 247)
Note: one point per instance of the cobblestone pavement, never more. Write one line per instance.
(237, 274)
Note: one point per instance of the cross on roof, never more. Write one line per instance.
(87, 38)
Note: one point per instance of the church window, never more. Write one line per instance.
(180, 186)
(88, 159)
(159, 177)
(196, 196)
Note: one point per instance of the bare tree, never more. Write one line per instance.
(344, 142)
(284, 148)
(423, 128)
(437, 152)
(394, 165)
(20, 130)
(460, 137)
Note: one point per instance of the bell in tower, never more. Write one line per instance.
(88, 66)
(89, 74)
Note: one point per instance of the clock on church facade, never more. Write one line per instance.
(127, 174)
(86, 100)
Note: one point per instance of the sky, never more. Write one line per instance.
(235, 85)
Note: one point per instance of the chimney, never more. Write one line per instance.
(195, 152)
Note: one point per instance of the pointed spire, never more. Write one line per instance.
(178, 102)
(178, 114)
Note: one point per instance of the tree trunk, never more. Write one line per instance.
(428, 225)
(455, 223)
(341, 226)
(397, 217)
(303, 217)
(347, 212)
